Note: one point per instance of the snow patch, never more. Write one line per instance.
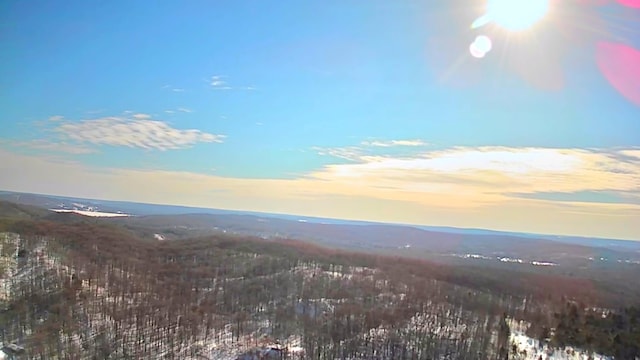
(476, 256)
(543, 263)
(527, 348)
(90, 213)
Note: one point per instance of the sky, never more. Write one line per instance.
(449, 113)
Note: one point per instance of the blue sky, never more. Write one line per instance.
(367, 110)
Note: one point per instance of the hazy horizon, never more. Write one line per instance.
(303, 216)
(385, 111)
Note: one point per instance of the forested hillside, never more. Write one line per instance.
(94, 291)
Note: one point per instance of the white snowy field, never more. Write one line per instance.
(90, 213)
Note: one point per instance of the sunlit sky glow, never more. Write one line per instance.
(516, 15)
(376, 110)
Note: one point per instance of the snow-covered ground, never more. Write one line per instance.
(505, 259)
(531, 349)
(8, 263)
(90, 213)
(543, 263)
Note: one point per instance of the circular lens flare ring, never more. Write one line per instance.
(475, 52)
(483, 43)
(480, 46)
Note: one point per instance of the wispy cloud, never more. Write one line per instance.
(138, 132)
(219, 82)
(172, 88)
(216, 80)
(351, 153)
(370, 148)
(56, 118)
(634, 153)
(392, 143)
(178, 110)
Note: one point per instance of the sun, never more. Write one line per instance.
(513, 15)
(516, 15)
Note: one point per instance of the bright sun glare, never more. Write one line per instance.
(516, 15)
(512, 15)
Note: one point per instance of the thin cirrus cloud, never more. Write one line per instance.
(219, 82)
(172, 88)
(367, 148)
(180, 109)
(392, 143)
(138, 132)
(351, 153)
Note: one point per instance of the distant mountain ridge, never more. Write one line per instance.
(301, 231)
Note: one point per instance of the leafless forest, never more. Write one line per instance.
(97, 291)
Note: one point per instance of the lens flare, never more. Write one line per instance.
(630, 3)
(480, 46)
(514, 15)
(475, 52)
(620, 65)
(481, 21)
(483, 43)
